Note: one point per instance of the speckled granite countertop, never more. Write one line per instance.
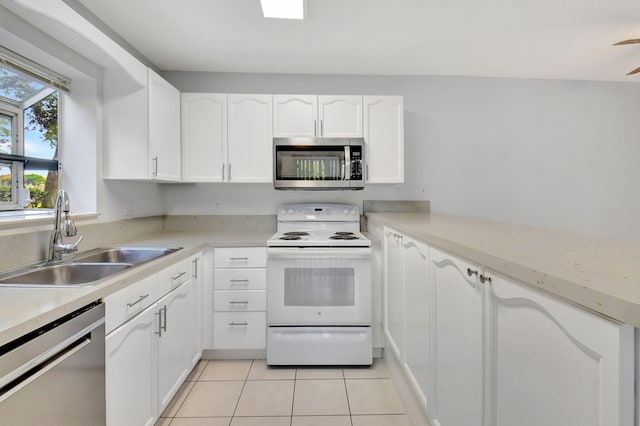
(600, 274)
(25, 309)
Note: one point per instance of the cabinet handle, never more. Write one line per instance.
(164, 326)
(195, 268)
(238, 259)
(315, 127)
(366, 168)
(229, 166)
(471, 272)
(161, 327)
(178, 276)
(154, 172)
(138, 301)
(239, 281)
(223, 172)
(485, 278)
(321, 127)
(244, 302)
(238, 323)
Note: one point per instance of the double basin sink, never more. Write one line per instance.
(85, 269)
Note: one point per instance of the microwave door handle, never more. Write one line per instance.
(347, 162)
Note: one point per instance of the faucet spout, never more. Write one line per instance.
(56, 246)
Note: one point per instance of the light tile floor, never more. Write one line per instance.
(250, 393)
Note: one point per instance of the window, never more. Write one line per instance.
(29, 137)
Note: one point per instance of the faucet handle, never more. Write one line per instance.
(75, 246)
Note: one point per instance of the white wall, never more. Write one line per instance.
(555, 154)
(81, 132)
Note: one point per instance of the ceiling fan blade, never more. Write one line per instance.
(637, 70)
(631, 41)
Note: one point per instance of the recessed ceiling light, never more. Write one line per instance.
(283, 9)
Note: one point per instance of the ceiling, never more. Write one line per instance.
(549, 39)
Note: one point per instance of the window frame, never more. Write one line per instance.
(17, 160)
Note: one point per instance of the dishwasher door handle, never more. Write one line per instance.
(47, 360)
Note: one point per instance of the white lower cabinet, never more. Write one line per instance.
(457, 335)
(407, 316)
(131, 371)
(482, 349)
(576, 366)
(149, 354)
(175, 341)
(240, 298)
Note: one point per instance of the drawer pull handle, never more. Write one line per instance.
(471, 272)
(244, 302)
(178, 276)
(485, 278)
(239, 281)
(238, 259)
(137, 301)
(238, 323)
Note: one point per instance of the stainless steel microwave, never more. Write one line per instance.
(318, 163)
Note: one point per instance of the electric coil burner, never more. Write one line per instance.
(319, 287)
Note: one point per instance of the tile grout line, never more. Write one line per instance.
(186, 396)
(244, 383)
(293, 399)
(344, 382)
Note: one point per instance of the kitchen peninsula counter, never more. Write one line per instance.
(600, 274)
(25, 309)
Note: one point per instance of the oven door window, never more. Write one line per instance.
(319, 287)
(325, 163)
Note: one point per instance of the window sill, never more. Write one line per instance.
(25, 219)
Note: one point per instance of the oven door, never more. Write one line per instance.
(319, 286)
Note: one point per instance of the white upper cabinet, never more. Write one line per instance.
(384, 139)
(204, 136)
(164, 129)
(317, 116)
(295, 115)
(141, 128)
(250, 139)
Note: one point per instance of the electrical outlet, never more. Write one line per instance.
(128, 209)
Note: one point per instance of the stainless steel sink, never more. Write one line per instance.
(85, 270)
(70, 274)
(134, 255)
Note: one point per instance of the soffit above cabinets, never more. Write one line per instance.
(571, 39)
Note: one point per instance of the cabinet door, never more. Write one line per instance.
(250, 139)
(340, 116)
(198, 308)
(295, 116)
(131, 371)
(537, 340)
(384, 139)
(458, 324)
(164, 129)
(173, 342)
(394, 292)
(417, 315)
(204, 134)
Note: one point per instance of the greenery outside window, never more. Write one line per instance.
(29, 139)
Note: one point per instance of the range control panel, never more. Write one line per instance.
(318, 212)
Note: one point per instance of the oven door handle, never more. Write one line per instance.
(319, 252)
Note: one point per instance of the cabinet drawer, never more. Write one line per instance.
(173, 276)
(240, 257)
(239, 300)
(130, 301)
(239, 330)
(240, 279)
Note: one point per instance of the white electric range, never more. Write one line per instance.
(319, 287)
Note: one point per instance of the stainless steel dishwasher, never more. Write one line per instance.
(55, 374)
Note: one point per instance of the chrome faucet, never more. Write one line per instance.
(56, 246)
